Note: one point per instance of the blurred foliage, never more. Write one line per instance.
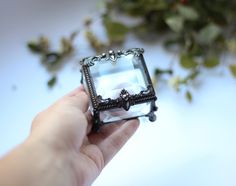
(198, 31)
(201, 30)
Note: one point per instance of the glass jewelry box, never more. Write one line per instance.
(119, 86)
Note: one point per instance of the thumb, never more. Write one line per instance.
(77, 98)
(65, 121)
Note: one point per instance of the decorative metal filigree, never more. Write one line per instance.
(125, 96)
(126, 99)
(111, 56)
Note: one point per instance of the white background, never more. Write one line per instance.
(189, 144)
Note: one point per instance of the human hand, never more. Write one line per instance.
(62, 150)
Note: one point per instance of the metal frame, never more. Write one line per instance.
(125, 100)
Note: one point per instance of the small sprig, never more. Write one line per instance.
(50, 58)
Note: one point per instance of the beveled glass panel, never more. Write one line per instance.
(120, 114)
(110, 78)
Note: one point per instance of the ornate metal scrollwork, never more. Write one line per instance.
(111, 56)
(125, 99)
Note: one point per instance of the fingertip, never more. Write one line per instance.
(136, 120)
(133, 124)
(81, 87)
(82, 100)
(76, 91)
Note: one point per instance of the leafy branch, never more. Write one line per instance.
(53, 59)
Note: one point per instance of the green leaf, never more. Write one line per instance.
(159, 71)
(34, 47)
(51, 82)
(176, 23)
(116, 31)
(94, 42)
(211, 62)
(187, 12)
(39, 46)
(189, 96)
(209, 33)
(233, 69)
(66, 46)
(187, 61)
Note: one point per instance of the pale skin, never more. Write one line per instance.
(61, 150)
